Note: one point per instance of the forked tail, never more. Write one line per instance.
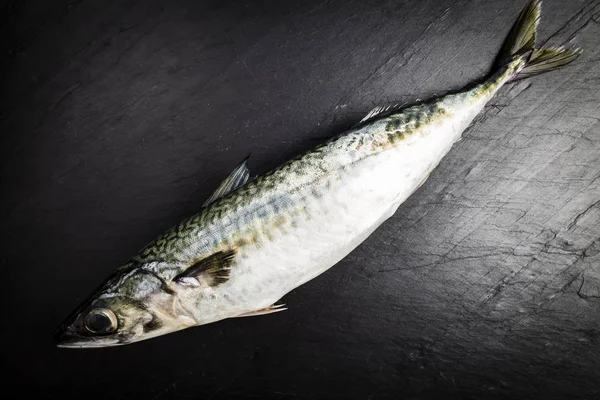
(521, 41)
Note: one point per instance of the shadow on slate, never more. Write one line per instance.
(119, 118)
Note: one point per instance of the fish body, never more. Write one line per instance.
(297, 221)
(256, 241)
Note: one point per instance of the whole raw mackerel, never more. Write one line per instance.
(254, 241)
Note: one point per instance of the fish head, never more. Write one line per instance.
(133, 305)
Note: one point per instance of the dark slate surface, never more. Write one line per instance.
(120, 117)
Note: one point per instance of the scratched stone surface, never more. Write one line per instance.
(118, 119)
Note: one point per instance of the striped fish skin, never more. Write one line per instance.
(246, 250)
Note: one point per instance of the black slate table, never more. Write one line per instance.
(119, 118)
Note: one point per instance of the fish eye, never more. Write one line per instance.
(101, 320)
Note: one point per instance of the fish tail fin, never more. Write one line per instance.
(520, 43)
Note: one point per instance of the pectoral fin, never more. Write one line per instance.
(269, 310)
(210, 271)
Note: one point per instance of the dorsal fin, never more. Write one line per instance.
(238, 177)
(379, 111)
(209, 271)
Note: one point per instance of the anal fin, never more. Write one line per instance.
(264, 311)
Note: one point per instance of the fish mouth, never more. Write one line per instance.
(77, 343)
(66, 338)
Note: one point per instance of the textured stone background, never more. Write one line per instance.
(119, 118)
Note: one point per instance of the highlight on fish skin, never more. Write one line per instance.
(253, 241)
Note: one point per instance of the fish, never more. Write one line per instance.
(255, 240)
